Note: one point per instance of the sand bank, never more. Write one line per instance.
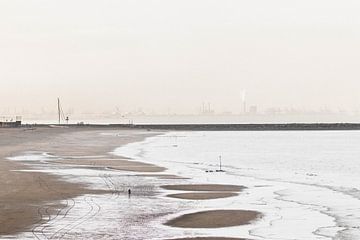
(204, 187)
(162, 176)
(204, 191)
(116, 164)
(214, 219)
(209, 238)
(202, 195)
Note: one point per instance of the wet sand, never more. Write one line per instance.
(214, 219)
(204, 191)
(21, 193)
(205, 187)
(24, 195)
(210, 219)
(209, 238)
(116, 164)
(162, 176)
(203, 195)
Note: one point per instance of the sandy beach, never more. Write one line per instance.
(30, 198)
(22, 194)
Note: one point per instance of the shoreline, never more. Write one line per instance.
(81, 149)
(216, 127)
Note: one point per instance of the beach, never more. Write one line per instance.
(23, 193)
(58, 182)
(111, 183)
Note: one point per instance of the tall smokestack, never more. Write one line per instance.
(244, 101)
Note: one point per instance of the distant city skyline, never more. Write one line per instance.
(204, 109)
(144, 54)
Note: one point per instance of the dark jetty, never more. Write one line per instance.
(251, 127)
(223, 127)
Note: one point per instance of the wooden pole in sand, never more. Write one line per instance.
(220, 163)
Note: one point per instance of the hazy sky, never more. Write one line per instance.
(179, 53)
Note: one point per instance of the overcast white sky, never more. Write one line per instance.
(179, 53)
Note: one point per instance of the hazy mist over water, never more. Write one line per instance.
(172, 56)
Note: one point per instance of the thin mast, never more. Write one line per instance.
(59, 111)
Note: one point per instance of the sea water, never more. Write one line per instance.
(306, 183)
